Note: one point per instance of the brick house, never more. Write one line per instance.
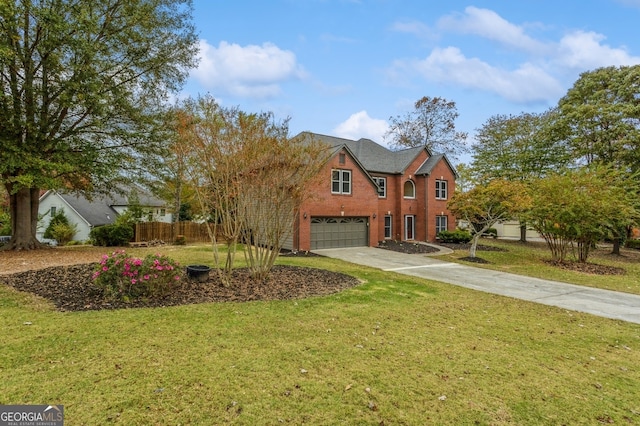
(367, 193)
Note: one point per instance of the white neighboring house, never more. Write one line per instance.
(101, 210)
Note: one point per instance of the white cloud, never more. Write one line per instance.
(584, 50)
(360, 125)
(540, 75)
(251, 71)
(527, 83)
(416, 28)
(488, 24)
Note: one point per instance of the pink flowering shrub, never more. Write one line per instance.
(124, 277)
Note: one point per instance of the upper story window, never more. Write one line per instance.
(342, 158)
(441, 189)
(409, 189)
(53, 211)
(340, 181)
(382, 186)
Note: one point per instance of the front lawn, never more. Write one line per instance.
(394, 350)
(531, 259)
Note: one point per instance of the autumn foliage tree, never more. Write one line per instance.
(580, 207)
(485, 205)
(252, 178)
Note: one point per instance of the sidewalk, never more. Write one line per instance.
(604, 303)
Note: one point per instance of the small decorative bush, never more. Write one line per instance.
(112, 235)
(493, 232)
(60, 229)
(633, 244)
(63, 232)
(181, 240)
(454, 237)
(124, 277)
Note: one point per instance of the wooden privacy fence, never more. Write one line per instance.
(167, 232)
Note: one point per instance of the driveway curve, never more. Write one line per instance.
(604, 303)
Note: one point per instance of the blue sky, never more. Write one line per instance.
(344, 67)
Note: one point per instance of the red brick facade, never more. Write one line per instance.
(394, 207)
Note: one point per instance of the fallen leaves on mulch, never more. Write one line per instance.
(406, 247)
(588, 268)
(70, 288)
(467, 246)
(474, 259)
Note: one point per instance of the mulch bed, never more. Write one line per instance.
(70, 288)
(588, 268)
(406, 247)
(467, 246)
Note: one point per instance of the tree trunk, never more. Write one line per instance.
(616, 246)
(23, 206)
(523, 232)
(474, 244)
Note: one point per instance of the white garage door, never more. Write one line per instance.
(336, 232)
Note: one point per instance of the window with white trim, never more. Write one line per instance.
(53, 211)
(409, 189)
(382, 186)
(340, 181)
(387, 227)
(441, 189)
(441, 224)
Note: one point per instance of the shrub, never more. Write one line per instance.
(118, 234)
(454, 237)
(181, 240)
(633, 244)
(125, 278)
(5, 223)
(62, 232)
(493, 232)
(57, 219)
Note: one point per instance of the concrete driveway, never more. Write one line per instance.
(604, 303)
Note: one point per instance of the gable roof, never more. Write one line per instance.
(373, 157)
(122, 197)
(99, 209)
(431, 162)
(95, 212)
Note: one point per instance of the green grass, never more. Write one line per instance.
(396, 349)
(529, 259)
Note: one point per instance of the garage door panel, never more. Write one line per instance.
(338, 232)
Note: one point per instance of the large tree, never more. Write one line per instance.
(250, 175)
(82, 83)
(430, 124)
(600, 119)
(518, 148)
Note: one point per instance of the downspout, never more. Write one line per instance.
(426, 208)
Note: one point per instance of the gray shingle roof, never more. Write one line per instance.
(144, 197)
(428, 165)
(97, 211)
(374, 157)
